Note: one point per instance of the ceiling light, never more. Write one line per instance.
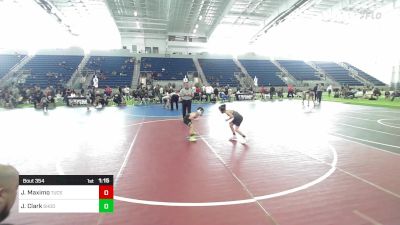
(194, 31)
(197, 26)
(137, 24)
(135, 13)
(200, 17)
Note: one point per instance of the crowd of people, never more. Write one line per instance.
(371, 93)
(169, 95)
(17, 94)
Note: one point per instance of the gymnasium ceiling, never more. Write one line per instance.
(147, 18)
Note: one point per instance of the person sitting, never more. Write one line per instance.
(395, 94)
(280, 93)
(223, 97)
(126, 92)
(387, 94)
(213, 98)
(350, 93)
(376, 93)
(108, 91)
(203, 96)
(216, 92)
(118, 99)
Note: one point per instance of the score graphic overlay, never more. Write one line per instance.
(66, 194)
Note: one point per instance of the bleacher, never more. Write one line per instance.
(7, 62)
(220, 71)
(265, 71)
(46, 70)
(112, 71)
(167, 68)
(299, 70)
(338, 73)
(366, 76)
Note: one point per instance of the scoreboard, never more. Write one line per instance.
(66, 194)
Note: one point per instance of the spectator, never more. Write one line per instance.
(271, 92)
(364, 90)
(174, 98)
(315, 89)
(216, 92)
(73, 94)
(117, 99)
(290, 91)
(203, 96)
(8, 189)
(396, 94)
(126, 92)
(197, 94)
(376, 93)
(319, 93)
(209, 91)
(108, 91)
(142, 93)
(329, 89)
(95, 82)
(82, 81)
(280, 92)
(387, 94)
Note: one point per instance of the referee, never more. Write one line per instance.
(186, 95)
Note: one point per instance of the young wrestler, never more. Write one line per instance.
(237, 120)
(45, 103)
(311, 95)
(307, 95)
(188, 121)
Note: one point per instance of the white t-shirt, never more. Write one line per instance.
(209, 90)
(126, 90)
(96, 82)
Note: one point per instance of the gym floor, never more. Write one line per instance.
(329, 164)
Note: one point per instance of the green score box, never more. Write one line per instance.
(106, 205)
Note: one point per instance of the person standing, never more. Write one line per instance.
(95, 82)
(209, 91)
(174, 99)
(235, 120)
(216, 93)
(319, 93)
(290, 91)
(186, 94)
(271, 92)
(329, 89)
(315, 90)
(82, 81)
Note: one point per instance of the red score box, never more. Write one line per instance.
(106, 192)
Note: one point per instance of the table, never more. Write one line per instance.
(73, 101)
(244, 96)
